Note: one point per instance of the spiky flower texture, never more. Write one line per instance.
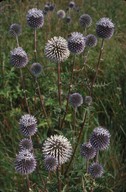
(104, 28)
(100, 138)
(56, 49)
(61, 14)
(96, 170)
(58, 147)
(76, 100)
(18, 58)
(28, 125)
(87, 151)
(26, 144)
(15, 29)
(51, 163)
(25, 162)
(35, 18)
(76, 43)
(90, 41)
(85, 20)
(36, 69)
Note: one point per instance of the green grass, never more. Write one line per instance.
(109, 101)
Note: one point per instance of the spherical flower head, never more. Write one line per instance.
(58, 147)
(46, 7)
(15, 29)
(51, 7)
(104, 28)
(36, 69)
(85, 20)
(88, 100)
(18, 58)
(91, 40)
(57, 49)
(76, 42)
(26, 144)
(51, 163)
(96, 170)
(100, 138)
(68, 19)
(61, 14)
(25, 162)
(35, 18)
(87, 151)
(76, 100)
(71, 4)
(28, 125)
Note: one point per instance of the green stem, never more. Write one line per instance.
(35, 44)
(23, 86)
(77, 143)
(97, 67)
(17, 41)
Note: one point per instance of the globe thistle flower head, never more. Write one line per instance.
(46, 7)
(18, 58)
(57, 49)
(100, 138)
(61, 14)
(87, 151)
(88, 100)
(76, 100)
(51, 163)
(26, 144)
(15, 29)
(25, 162)
(104, 28)
(36, 69)
(85, 20)
(58, 147)
(51, 7)
(35, 18)
(90, 41)
(76, 42)
(96, 170)
(28, 125)
(68, 19)
(71, 4)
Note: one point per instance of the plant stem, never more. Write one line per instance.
(74, 120)
(59, 181)
(42, 102)
(87, 165)
(17, 41)
(35, 44)
(59, 89)
(28, 182)
(69, 89)
(97, 67)
(97, 155)
(77, 143)
(23, 86)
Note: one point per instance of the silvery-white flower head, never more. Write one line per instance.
(56, 49)
(28, 125)
(104, 28)
(15, 29)
(36, 69)
(91, 40)
(100, 138)
(76, 100)
(87, 151)
(35, 18)
(76, 43)
(26, 144)
(59, 147)
(18, 58)
(51, 163)
(61, 14)
(96, 170)
(85, 20)
(25, 162)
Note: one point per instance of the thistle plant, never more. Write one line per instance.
(65, 141)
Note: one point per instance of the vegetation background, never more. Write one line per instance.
(109, 102)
